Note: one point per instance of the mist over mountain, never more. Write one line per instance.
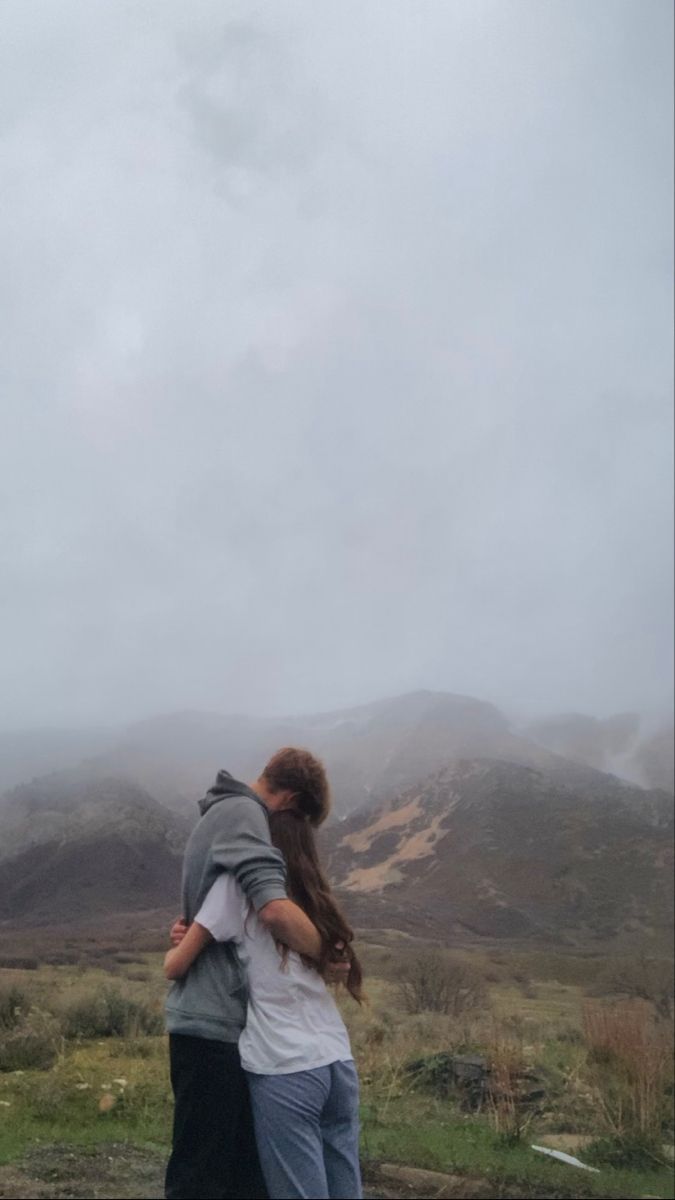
(654, 759)
(369, 750)
(423, 434)
(590, 740)
(26, 753)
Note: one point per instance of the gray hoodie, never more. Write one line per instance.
(232, 835)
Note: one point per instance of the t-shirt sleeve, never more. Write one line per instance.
(224, 909)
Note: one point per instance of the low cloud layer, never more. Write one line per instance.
(336, 355)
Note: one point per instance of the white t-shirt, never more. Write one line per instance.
(292, 1022)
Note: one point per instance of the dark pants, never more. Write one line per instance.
(214, 1155)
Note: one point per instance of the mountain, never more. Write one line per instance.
(504, 850)
(368, 751)
(74, 847)
(479, 848)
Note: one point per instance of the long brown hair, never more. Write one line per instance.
(293, 835)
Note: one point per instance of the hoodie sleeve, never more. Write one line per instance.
(242, 847)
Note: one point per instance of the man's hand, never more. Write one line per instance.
(178, 931)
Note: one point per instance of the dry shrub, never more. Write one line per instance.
(14, 1004)
(142, 1047)
(434, 982)
(510, 1113)
(109, 1013)
(48, 1097)
(629, 1057)
(142, 975)
(61, 958)
(640, 978)
(34, 1042)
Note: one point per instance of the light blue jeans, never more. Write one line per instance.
(307, 1131)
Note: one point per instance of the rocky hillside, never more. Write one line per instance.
(499, 849)
(74, 847)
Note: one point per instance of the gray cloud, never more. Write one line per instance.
(336, 356)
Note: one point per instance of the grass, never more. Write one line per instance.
(428, 1134)
(116, 1089)
(63, 1104)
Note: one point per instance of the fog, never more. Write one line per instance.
(336, 355)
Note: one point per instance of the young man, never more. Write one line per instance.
(214, 1155)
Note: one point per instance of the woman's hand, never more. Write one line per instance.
(190, 944)
(178, 931)
(337, 967)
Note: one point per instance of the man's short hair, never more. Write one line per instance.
(300, 772)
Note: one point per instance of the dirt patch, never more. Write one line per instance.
(360, 842)
(569, 1143)
(118, 1171)
(393, 1180)
(111, 1171)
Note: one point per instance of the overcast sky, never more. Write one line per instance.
(336, 354)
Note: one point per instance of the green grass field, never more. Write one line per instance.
(103, 1089)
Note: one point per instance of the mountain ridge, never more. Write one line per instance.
(369, 748)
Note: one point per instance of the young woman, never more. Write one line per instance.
(295, 1047)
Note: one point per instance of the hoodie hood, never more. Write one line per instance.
(227, 785)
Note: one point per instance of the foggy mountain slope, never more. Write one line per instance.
(72, 846)
(594, 741)
(654, 760)
(613, 744)
(504, 850)
(368, 750)
(27, 753)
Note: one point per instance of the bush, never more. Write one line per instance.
(640, 978)
(110, 1014)
(144, 1048)
(433, 982)
(623, 1153)
(510, 1102)
(48, 1097)
(13, 1005)
(34, 1044)
(629, 1061)
(18, 962)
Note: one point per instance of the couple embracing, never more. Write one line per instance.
(265, 1088)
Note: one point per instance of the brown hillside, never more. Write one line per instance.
(502, 850)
